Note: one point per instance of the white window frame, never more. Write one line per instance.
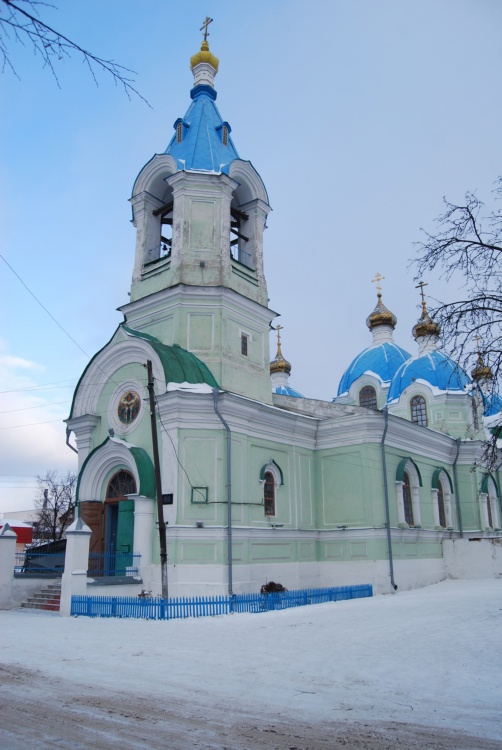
(415, 497)
(492, 498)
(445, 486)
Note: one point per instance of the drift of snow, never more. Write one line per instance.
(429, 657)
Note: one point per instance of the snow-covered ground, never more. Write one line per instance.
(418, 669)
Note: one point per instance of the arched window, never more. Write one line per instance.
(442, 490)
(120, 485)
(441, 506)
(418, 410)
(367, 397)
(475, 418)
(491, 505)
(239, 243)
(407, 500)
(408, 483)
(269, 494)
(179, 132)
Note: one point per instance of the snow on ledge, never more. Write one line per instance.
(189, 387)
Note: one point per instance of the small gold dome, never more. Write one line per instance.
(425, 326)
(204, 56)
(381, 316)
(481, 371)
(279, 364)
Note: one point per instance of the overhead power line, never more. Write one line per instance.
(32, 424)
(44, 307)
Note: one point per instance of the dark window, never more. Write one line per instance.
(269, 494)
(367, 397)
(489, 512)
(244, 344)
(475, 419)
(408, 504)
(442, 514)
(418, 410)
(121, 484)
(179, 132)
(224, 136)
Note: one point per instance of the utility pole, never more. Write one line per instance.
(158, 483)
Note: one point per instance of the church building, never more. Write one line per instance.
(259, 483)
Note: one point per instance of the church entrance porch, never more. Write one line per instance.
(112, 526)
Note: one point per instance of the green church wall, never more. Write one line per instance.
(203, 455)
(348, 486)
(468, 485)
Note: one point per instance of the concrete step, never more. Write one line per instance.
(46, 607)
(48, 598)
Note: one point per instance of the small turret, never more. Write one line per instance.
(426, 331)
(381, 321)
(280, 370)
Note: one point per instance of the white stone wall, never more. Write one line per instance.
(473, 558)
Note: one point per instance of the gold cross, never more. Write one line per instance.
(204, 26)
(378, 278)
(278, 328)
(421, 287)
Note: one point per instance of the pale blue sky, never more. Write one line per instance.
(359, 115)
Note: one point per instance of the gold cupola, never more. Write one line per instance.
(481, 371)
(204, 65)
(279, 364)
(204, 56)
(380, 316)
(425, 325)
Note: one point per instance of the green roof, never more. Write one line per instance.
(180, 366)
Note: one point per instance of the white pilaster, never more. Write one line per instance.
(74, 581)
(8, 539)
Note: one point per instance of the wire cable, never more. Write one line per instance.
(52, 316)
(44, 308)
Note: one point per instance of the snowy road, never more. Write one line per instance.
(417, 670)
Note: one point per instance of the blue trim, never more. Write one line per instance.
(203, 90)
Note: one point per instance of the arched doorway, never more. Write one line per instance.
(119, 522)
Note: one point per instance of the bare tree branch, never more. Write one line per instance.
(55, 505)
(21, 25)
(468, 246)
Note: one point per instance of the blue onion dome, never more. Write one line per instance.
(430, 366)
(286, 390)
(435, 369)
(383, 358)
(492, 404)
(280, 370)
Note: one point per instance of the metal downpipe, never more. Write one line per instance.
(216, 394)
(386, 496)
(457, 496)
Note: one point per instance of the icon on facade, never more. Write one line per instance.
(128, 408)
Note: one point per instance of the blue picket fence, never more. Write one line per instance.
(152, 608)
